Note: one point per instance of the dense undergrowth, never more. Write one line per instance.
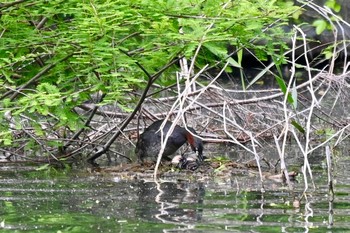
(76, 75)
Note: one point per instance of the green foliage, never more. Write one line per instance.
(322, 24)
(5, 138)
(333, 5)
(290, 98)
(57, 53)
(298, 126)
(219, 159)
(326, 132)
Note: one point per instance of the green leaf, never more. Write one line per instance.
(298, 127)
(337, 7)
(281, 84)
(48, 88)
(221, 52)
(294, 95)
(233, 63)
(240, 56)
(6, 139)
(283, 88)
(333, 5)
(320, 25)
(7, 75)
(43, 167)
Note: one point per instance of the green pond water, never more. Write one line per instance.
(79, 201)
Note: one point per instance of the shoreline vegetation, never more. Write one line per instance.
(76, 77)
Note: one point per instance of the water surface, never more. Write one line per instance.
(79, 201)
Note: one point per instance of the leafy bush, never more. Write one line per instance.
(55, 54)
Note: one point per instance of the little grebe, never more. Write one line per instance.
(149, 143)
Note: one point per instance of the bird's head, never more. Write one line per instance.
(195, 143)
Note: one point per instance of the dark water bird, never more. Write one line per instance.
(149, 143)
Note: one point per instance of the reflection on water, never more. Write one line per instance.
(83, 202)
(169, 200)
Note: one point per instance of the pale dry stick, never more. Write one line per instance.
(260, 218)
(283, 163)
(309, 69)
(306, 164)
(2, 32)
(252, 100)
(322, 93)
(181, 98)
(325, 12)
(269, 97)
(287, 116)
(162, 210)
(335, 33)
(307, 137)
(340, 132)
(308, 122)
(223, 116)
(314, 101)
(347, 67)
(182, 108)
(340, 138)
(329, 11)
(294, 39)
(257, 159)
(184, 69)
(186, 73)
(164, 140)
(309, 213)
(100, 132)
(202, 90)
(329, 171)
(330, 186)
(190, 70)
(179, 101)
(165, 207)
(192, 83)
(234, 140)
(249, 91)
(39, 143)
